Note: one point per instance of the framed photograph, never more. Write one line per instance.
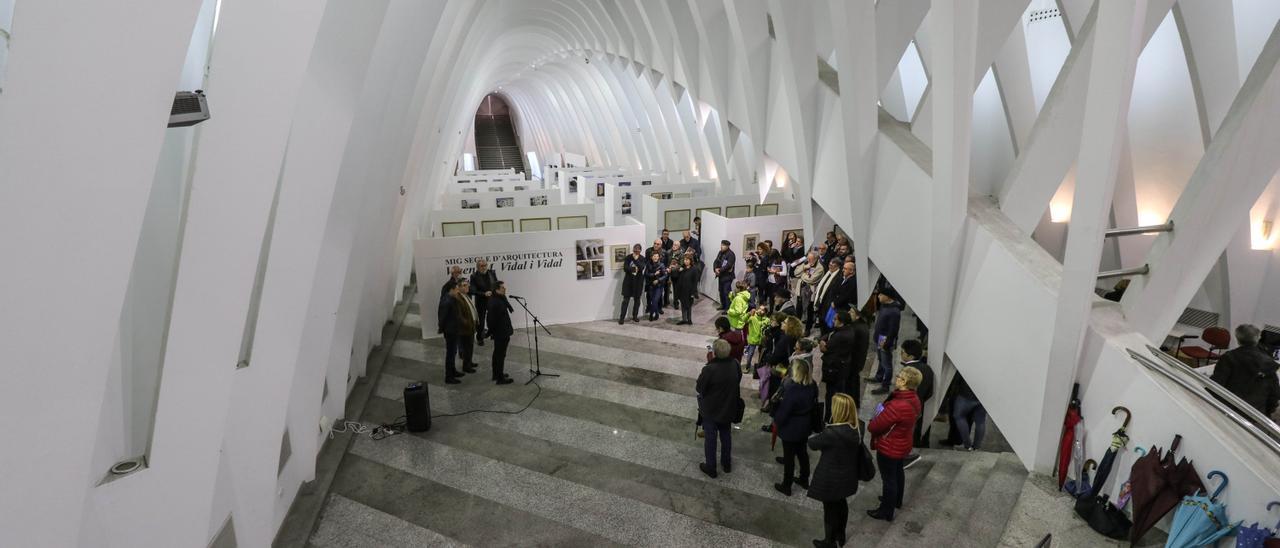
(573, 185)
(464, 181)
(495, 189)
(646, 183)
(676, 220)
(471, 204)
(590, 250)
(537, 200)
(626, 195)
(661, 195)
(797, 231)
(682, 195)
(702, 210)
(518, 188)
(619, 255)
(538, 224)
(506, 202)
(597, 269)
(749, 242)
(624, 183)
(737, 212)
(766, 209)
(570, 222)
(583, 269)
(599, 189)
(461, 228)
(505, 226)
(469, 189)
(626, 207)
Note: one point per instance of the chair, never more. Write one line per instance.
(1218, 339)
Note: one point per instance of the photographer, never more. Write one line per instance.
(633, 268)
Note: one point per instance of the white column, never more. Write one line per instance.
(82, 120)
(857, 54)
(259, 58)
(1118, 39)
(954, 28)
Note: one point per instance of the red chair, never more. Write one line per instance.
(1218, 339)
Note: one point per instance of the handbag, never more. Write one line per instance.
(866, 465)
(739, 409)
(830, 317)
(816, 424)
(771, 404)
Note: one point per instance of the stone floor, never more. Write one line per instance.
(605, 454)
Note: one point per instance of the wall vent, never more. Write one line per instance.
(189, 108)
(1195, 317)
(1041, 15)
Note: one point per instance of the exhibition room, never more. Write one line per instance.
(897, 273)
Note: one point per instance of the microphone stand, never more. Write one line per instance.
(537, 357)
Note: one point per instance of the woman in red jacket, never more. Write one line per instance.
(892, 429)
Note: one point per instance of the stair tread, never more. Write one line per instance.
(938, 500)
(996, 500)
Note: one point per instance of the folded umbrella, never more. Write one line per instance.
(1255, 536)
(1068, 435)
(1103, 517)
(1080, 487)
(1119, 439)
(1201, 520)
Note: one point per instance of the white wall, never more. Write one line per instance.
(488, 200)
(613, 195)
(547, 287)
(514, 213)
(716, 228)
(654, 210)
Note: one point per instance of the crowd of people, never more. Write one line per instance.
(666, 274)
(766, 330)
(473, 309)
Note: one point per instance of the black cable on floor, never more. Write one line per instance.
(495, 411)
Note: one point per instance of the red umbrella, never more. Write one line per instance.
(1068, 435)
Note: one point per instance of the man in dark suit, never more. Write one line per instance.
(455, 274)
(666, 239)
(500, 331)
(457, 317)
(483, 280)
(846, 289)
(888, 317)
(632, 284)
(723, 268)
(843, 354)
(823, 294)
(718, 397)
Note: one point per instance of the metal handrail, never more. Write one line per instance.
(1131, 231)
(1135, 271)
(1264, 430)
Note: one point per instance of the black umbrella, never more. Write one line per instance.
(1118, 440)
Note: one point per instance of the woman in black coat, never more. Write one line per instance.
(835, 479)
(686, 284)
(799, 399)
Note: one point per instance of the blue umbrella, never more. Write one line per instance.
(1254, 536)
(1200, 520)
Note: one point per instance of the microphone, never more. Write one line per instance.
(516, 297)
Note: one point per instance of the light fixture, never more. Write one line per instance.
(1059, 212)
(1263, 237)
(1146, 217)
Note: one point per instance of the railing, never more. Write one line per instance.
(1256, 424)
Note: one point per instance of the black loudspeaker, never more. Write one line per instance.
(417, 407)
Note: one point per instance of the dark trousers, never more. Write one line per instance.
(655, 300)
(499, 356)
(893, 478)
(970, 413)
(482, 310)
(686, 308)
(766, 295)
(726, 284)
(714, 430)
(885, 371)
(451, 344)
(791, 452)
(466, 350)
(635, 307)
(835, 518)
